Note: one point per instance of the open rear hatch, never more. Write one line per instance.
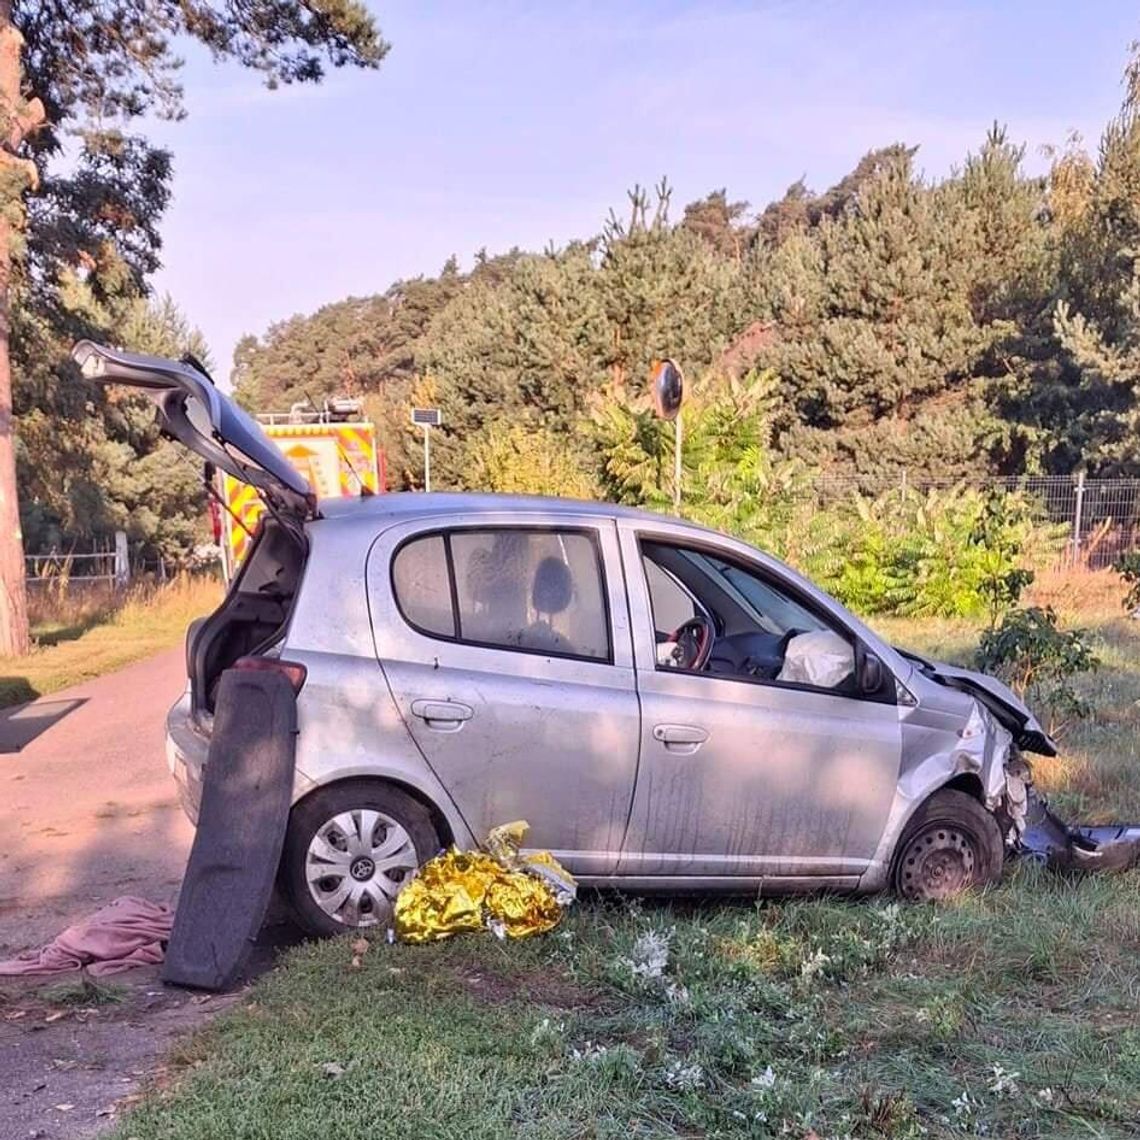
(191, 410)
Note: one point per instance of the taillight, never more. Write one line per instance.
(293, 671)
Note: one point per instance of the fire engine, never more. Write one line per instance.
(332, 446)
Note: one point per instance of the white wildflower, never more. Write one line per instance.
(766, 1080)
(589, 1053)
(684, 1078)
(816, 963)
(650, 954)
(964, 1105)
(1004, 1083)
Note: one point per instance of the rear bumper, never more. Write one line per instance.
(187, 747)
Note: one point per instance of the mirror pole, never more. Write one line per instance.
(677, 464)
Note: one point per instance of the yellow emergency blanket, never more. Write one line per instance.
(496, 889)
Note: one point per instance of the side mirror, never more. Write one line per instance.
(871, 673)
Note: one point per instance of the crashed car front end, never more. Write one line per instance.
(998, 731)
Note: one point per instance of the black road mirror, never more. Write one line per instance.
(668, 389)
(871, 674)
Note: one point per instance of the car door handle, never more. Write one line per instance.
(682, 738)
(443, 716)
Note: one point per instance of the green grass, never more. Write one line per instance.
(82, 991)
(80, 639)
(1011, 1013)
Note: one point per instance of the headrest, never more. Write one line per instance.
(553, 588)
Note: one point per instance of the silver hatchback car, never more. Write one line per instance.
(667, 707)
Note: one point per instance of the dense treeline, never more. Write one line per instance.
(987, 322)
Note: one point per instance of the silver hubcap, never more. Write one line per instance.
(938, 864)
(356, 864)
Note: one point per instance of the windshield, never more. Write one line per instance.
(773, 611)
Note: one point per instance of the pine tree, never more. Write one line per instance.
(94, 69)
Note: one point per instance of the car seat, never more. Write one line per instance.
(551, 593)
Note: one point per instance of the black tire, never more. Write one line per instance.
(314, 822)
(951, 845)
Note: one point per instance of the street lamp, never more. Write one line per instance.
(427, 418)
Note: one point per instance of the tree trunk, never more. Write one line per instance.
(17, 118)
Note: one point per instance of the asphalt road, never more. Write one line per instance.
(88, 810)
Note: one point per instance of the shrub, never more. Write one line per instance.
(954, 553)
(1128, 567)
(1039, 661)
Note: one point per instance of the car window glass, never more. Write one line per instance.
(774, 609)
(531, 589)
(420, 582)
(672, 604)
(762, 632)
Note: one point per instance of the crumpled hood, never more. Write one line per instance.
(1009, 709)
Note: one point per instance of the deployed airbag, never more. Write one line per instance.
(818, 658)
(246, 794)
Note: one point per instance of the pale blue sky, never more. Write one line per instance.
(500, 124)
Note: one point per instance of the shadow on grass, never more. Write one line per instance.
(16, 691)
(72, 632)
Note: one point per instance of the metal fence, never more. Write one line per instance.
(109, 565)
(1101, 516)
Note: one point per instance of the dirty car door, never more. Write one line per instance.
(752, 778)
(506, 646)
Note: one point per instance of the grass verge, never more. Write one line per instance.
(1014, 1012)
(78, 641)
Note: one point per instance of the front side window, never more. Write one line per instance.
(739, 623)
(541, 591)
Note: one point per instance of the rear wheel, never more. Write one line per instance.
(349, 849)
(951, 845)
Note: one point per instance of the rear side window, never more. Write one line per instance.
(539, 591)
(423, 591)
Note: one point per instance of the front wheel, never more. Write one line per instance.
(951, 845)
(349, 849)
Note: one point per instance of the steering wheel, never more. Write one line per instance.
(694, 643)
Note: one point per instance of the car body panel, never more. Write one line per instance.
(1028, 731)
(539, 732)
(786, 782)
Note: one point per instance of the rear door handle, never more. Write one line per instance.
(681, 738)
(443, 716)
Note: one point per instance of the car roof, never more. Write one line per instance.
(417, 504)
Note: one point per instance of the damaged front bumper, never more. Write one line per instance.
(1035, 832)
(1049, 840)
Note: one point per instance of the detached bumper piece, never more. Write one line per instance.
(1111, 847)
(246, 791)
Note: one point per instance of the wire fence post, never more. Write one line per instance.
(1078, 511)
(122, 569)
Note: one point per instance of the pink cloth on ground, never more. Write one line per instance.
(127, 932)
